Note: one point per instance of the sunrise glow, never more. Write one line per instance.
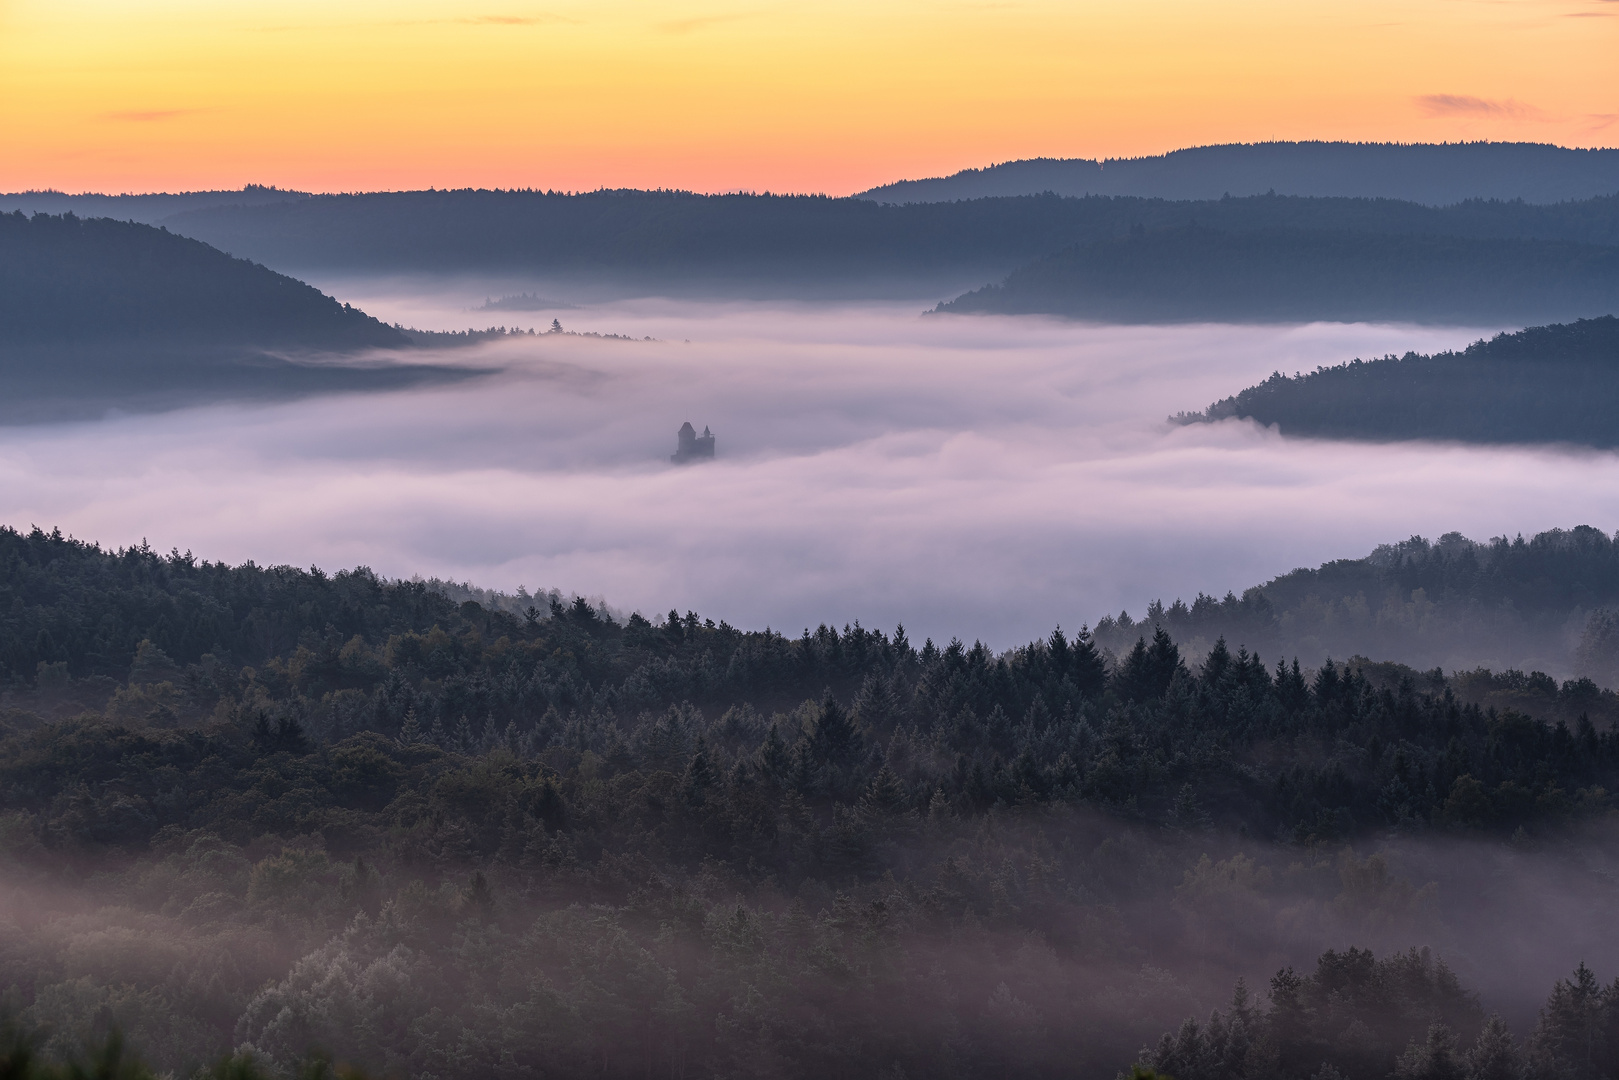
(726, 94)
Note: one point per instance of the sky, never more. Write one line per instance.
(721, 95)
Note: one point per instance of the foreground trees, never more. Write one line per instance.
(268, 812)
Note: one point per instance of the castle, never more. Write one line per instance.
(693, 447)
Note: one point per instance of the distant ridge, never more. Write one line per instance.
(1193, 273)
(1435, 174)
(149, 209)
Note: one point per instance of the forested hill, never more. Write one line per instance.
(1550, 602)
(1437, 175)
(279, 813)
(1196, 273)
(66, 280)
(166, 641)
(669, 236)
(1550, 384)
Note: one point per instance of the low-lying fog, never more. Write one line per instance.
(982, 477)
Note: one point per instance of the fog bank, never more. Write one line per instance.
(974, 476)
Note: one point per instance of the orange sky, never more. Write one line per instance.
(714, 95)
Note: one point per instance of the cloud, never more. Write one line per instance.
(1466, 105)
(512, 20)
(693, 25)
(536, 19)
(148, 116)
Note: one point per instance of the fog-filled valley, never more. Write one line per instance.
(1025, 465)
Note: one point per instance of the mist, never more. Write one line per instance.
(980, 477)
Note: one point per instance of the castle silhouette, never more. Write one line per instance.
(693, 447)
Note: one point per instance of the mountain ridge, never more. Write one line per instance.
(1436, 174)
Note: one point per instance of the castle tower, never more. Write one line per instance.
(692, 446)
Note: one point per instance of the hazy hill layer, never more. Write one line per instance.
(1437, 175)
(149, 209)
(1546, 384)
(1194, 274)
(788, 244)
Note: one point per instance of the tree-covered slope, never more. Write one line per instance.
(1557, 383)
(71, 280)
(170, 641)
(1196, 273)
(1549, 603)
(277, 812)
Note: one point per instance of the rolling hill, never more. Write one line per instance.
(1434, 174)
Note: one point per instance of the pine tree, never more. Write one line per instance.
(885, 794)
(875, 704)
(775, 760)
(1577, 1030)
(1085, 665)
(411, 732)
(1493, 1056)
(1134, 679)
(700, 775)
(1435, 1058)
(836, 740)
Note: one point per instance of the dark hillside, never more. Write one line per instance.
(1194, 273)
(1557, 383)
(71, 280)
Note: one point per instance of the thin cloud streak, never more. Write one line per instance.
(1466, 105)
(693, 25)
(149, 116)
(511, 20)
(544, 18)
